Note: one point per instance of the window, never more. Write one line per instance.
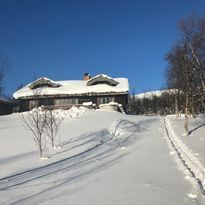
(73, 101)
(33, 104)
(46, 102)
(70, 101)
(105, 100)
(83, 100)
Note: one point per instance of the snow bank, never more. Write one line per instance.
(73, 112)
(186, 155)
(113, 106)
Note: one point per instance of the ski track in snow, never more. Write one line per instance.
(187, 158)
(100, 149)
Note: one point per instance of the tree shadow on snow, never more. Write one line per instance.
(91, 153)
(196, 128)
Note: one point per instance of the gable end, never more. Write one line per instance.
(43, 82)
(102, 79)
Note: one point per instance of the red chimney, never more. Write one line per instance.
(86, 76)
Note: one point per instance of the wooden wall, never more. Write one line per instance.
(23, 104)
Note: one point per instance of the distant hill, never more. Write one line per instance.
(150, 94)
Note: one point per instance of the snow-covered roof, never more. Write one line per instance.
(102, 79)
(73, 87)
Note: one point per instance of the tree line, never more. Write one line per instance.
(186, 67)
(152, 104)
(184, 75)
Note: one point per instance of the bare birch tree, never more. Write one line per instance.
(53, 122)
(186, 66)
(193, 34)
(35, 121)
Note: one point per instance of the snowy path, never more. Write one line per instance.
(126, 163)
(186, 155)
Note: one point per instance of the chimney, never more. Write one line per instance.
(86, 76)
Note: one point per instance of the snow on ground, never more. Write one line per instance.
(190, 148)
(106, 158)
(196, 139)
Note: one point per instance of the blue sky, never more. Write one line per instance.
(64, 39)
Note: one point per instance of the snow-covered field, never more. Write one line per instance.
(105, 158)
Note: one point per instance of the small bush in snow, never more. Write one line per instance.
(53, 122)
(35, 121)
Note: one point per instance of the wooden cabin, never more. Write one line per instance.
(100, 89)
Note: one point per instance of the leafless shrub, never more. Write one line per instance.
(35, 121)
(53, 122)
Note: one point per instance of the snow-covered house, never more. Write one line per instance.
(100, 89)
